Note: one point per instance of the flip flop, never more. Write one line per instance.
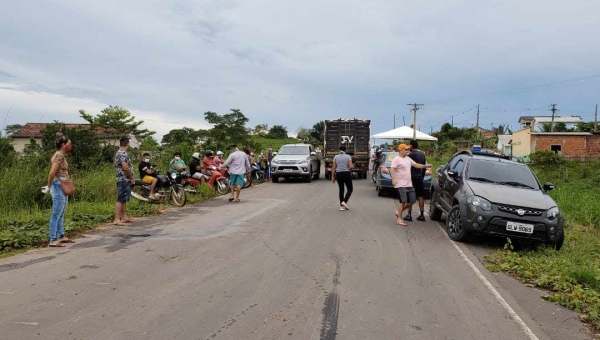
(231, 199)
(119, 223)
(402, 224)
(237, 200)
(56, 245)
(396, 213)
(129, 220)
(67, 241)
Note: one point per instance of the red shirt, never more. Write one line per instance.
(207, 162)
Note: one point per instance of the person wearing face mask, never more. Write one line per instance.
(59, 170)
(218, 159)
(177, 164)
(148, 174)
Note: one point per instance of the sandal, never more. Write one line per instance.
(401, 223)
(421, 218)
(237, 200)
(231, 199)
(68, 240)
(57, 245)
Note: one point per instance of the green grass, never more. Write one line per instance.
(571, 275)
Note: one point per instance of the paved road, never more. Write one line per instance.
(284, 263)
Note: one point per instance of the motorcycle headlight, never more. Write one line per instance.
(476, 201)
(552, 213)
(173, 175)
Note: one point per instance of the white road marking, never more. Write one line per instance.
(507, 307)
(26, 323)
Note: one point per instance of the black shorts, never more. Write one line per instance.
(417, 183)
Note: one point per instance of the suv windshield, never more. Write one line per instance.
(502, 173)
(293, 150)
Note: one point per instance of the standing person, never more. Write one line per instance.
(342, 171)
(59, 170)
(124, 181)
(417, 176)
(269, 158)
(148, 174)
(177, 164)
(238, 166)
(401, 179)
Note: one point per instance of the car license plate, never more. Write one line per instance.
(287, 170)
(519, 227)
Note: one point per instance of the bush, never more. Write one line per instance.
(546, 157)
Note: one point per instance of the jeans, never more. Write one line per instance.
(59, 206)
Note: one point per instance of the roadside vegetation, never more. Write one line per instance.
(572, 275)
(25, 211)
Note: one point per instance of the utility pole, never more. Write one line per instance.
(553, 109)
(478, 132)
(596, 119)
(415, 108)
(403, 121)
(394, 120)
(452, 121)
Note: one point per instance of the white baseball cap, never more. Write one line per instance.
(219, 152)
(196, 155)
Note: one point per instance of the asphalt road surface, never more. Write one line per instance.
(284, 263)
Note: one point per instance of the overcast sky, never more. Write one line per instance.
(295, 63)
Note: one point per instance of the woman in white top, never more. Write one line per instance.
(342, 171)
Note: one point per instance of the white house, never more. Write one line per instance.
(504, 145)
(22, 138)
(538, 122)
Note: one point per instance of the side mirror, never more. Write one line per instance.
(548, 186)
(441, 168)
(452, 173)
(313, 153)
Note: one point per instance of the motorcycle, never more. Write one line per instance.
(166, 187)
(190, 184)
(256, 174)
(247, 178)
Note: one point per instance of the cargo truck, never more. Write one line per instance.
(355, 135)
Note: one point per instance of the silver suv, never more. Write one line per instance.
(296, 160)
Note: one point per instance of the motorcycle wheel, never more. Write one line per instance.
(178, 195)
(247, 181)
(222, 186)
(137, 192)
(190, 188)
(259, 177)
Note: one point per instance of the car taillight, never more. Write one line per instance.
(384, 169)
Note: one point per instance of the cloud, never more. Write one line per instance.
(295, 63)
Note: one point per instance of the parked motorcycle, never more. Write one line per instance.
(166, 187)
(247, 178)
(190, 184)
(257, 175)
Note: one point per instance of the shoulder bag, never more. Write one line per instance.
(68, 187)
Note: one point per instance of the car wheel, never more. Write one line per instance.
(435, 214)
(275, 179)
(316, 175)
(455, 227)
(374, 177)
(379, 191)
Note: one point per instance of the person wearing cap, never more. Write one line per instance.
(238, 165)
(417, 176)
(148, 174)
(402, 181)
(218, 158)
(196, 167)
(177, 164)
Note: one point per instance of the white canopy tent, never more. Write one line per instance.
(403, 132)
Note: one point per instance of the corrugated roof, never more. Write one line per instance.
(558, 119)
(35, 130)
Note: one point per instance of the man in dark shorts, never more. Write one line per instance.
(124, 181)
(417, 176)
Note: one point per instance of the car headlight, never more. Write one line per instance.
(552, 213)
(304, 161)
(476, 201)
(173, 175)
(273, 161)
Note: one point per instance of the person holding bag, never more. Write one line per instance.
(60, 185)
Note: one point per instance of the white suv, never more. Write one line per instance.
(296, 160)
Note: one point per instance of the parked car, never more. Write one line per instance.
(383, 179)
(296, 160)
(490, 194)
